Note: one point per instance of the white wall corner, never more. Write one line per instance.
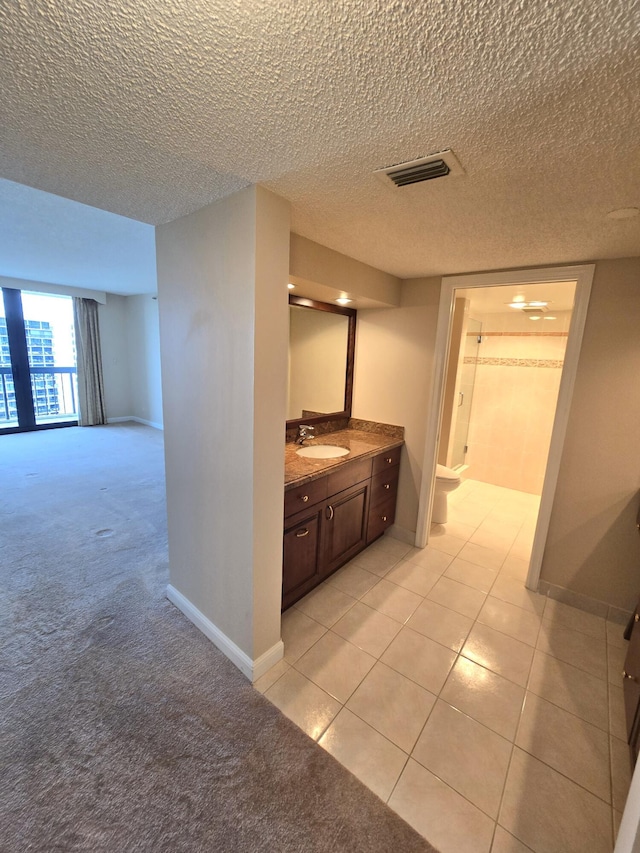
(252, 669)
(147, 423)
(136, 420)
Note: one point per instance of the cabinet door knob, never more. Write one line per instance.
(304, 498)
(384, 517)
(636, 618)
(302, 533)
(330, 511)
(386, 486)
(388, 459)
(626, 675)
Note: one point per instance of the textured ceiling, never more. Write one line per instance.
(153, 108)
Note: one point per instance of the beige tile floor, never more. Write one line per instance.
(488, 717)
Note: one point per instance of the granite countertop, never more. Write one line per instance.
(299, 470)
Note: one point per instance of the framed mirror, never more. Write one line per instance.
(322, 340)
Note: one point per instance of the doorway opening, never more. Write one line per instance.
(542, 476)
(38, 369)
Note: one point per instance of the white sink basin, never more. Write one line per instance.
(322, 451)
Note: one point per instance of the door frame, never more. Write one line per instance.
(583, 276)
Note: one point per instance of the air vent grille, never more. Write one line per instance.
(437, 165)
(414, 174)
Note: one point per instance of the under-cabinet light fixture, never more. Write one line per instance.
(343, 300)
(290, 286)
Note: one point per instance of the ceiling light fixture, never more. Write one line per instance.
(343, 300)
(524, 305)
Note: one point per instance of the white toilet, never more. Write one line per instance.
(446, 481)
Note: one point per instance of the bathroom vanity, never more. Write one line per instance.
(631, 677)
(334, 508)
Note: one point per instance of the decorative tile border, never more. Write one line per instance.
(516, 362)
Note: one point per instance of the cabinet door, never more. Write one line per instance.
(344, 526)
(301, 565)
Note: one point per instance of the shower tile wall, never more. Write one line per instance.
(515, 395)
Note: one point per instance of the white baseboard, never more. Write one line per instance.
(402, 534)
(136, 420)
(148, 423)
(253, 669)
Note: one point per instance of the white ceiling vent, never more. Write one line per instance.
(437, 165)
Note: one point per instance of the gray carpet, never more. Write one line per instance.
(122, 728)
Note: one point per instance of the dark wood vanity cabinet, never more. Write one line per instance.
(631, 676)
(330, 520)
(631, 683)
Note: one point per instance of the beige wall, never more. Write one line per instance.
(394, 362)
(311, 262)
(222, 275)
(593, 546)
(143, 345)
(271, 324)
(130, 343)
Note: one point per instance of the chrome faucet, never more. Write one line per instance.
(303, 433)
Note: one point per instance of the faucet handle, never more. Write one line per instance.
(303, 433)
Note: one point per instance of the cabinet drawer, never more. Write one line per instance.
(386, 460)
(380, 517)
(348, 475)
(384, 486)
(295, 500)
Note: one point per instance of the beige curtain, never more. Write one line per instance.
(90, 383)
